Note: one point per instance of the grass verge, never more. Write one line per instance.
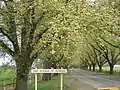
(7, 76)
(116, 74)
(53, 84)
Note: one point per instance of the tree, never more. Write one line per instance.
(111, 54)
(24, 27)
(100, 61)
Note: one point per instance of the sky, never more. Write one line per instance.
(6, 59)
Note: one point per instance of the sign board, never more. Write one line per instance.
(108, 89)
(49, 70)
(36, 71)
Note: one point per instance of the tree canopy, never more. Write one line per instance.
(64, 31)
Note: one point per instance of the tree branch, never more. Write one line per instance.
(34, 25)
(35, 55)
(96, 48)
(12, 25)
(40, 18)
(116, 56)
(109, 42)
(39, 36)
(112, 32)
(5, 34)
(6, 48)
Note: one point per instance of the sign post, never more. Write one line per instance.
(36, 71)
(35, 81)
(61, 82)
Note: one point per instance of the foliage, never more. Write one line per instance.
(64, 31)
(29, 32)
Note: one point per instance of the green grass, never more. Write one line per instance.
(117, 74)
(53, 84)
(7, 76)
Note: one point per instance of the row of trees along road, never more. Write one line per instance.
(60, 31)
(99, 41)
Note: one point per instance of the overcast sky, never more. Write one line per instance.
(6, 59)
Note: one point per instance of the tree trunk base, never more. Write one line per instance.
(100, 69)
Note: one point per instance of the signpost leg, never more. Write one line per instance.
(61, 82)
(35, 81)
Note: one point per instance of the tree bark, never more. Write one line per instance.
(93, 67)
(111, 69)
(21, 82)
(22, 77)
(100, 68)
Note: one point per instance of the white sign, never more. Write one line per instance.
(49, 70)
(36, 71)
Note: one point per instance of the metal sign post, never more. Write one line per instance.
(36, 71)
(61, 82)
(35, 81)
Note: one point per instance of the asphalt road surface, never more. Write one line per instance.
(94, 79)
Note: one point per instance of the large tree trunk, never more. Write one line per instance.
(111, 69)
(100, 68)
(21, 81)
(22, 77)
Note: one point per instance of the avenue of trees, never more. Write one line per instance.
(99, 41)
(59, 32)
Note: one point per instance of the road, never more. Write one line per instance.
(94, 79)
